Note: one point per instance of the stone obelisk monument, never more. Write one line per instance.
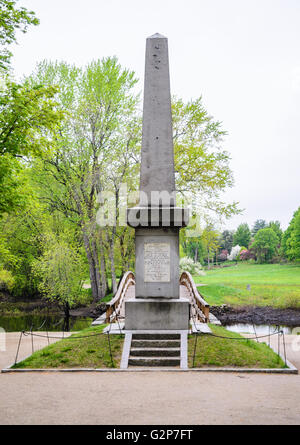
(157, 304)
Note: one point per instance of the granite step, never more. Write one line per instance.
(154, 361)
(155, 343)
(155, 352)
(155, 336)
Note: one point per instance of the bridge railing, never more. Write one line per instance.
(114, 306)
(199, 305)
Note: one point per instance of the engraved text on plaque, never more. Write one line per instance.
(156, 262)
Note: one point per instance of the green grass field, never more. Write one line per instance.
(215, 352)
(271, 285)
(91, 352)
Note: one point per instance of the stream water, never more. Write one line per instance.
(261, 329)
(16, 323)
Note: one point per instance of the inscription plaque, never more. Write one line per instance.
(157, 262)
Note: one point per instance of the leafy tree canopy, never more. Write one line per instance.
(265, 244)
(11, 20)
(275, 226)
(242, 235)
(290, 245)
(29, 118)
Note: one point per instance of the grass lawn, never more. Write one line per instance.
(271, 285)
(217, 352)
(92, 352)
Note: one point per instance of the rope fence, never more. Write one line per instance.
(278, 332)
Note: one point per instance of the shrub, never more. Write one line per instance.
(223, 255)
(188, 265)
(234, 253)
(246, 255)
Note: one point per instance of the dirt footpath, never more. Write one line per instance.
(146, 398)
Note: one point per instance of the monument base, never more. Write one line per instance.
(157, 314)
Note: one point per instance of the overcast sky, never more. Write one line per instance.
(242, 56)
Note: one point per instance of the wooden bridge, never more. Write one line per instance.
(199, 313)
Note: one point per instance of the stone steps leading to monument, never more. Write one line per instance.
(155, 344)
(154, 352)
(154, 361)
(155, 349)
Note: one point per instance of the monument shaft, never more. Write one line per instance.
(157, 161)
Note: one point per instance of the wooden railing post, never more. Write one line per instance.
(115, 303)
(197, 301)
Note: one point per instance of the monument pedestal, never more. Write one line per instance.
(157, 314)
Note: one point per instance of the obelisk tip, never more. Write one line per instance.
(157, 36)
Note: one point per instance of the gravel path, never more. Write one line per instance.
(146, 398)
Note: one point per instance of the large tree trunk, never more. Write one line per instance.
(97, 270)
(102, 268)
(66, 325)
(112, 265)
(92, 270)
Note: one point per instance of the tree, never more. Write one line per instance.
(290, 245)
(259, 224)
(242, 235)
(195, 249)
(226, 240)
(275, 226)
(60, 273)
(265, 244)
(210, 240)
(11, 20)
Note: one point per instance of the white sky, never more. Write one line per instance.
(242, 56)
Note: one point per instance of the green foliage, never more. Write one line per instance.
(265, 244)
(242, 235)
(290, 246)
(59, 271)
(11, 20)
(28, 121)
(210, 240)
(275, 226)
(6, 280)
